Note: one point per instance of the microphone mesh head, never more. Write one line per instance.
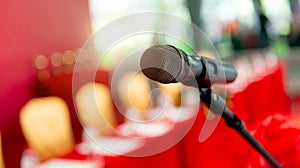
(164, 63)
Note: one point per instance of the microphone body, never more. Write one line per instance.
(168, 64)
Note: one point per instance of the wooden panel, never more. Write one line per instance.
(1, 157)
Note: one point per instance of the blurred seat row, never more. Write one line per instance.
(54, 121)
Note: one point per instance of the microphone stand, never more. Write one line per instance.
(218, 106)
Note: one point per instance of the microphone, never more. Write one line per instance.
(168, 64)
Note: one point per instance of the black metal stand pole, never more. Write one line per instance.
(218, 106)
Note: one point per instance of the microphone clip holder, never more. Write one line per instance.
(218, 107)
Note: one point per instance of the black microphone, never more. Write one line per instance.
(168, 64)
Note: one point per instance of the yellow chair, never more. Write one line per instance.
(1, 157)
(172, 90)
(46, 126)
(95, 107)
(134, 91)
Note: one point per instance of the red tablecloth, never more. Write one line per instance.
(169, 158)
(171, 155)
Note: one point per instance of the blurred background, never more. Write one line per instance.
(236, 28)
(40, 42)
